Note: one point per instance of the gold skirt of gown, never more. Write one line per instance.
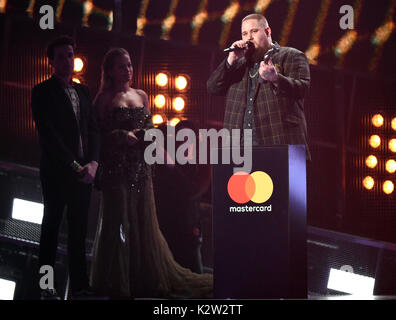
(131, 256)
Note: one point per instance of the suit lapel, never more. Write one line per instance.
(275, 61)
(245, 83)
(63, 104)
(242, 63)
(82, 98)
(257, 88)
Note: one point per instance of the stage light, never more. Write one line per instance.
(76, 80)
(157, 119)
(87, 7)
(29, 10)
(141, 20)
(174, 121)
(160, 100)
(392, 145)
(3, 6)
(199, 19)
(78, 64)
(140, 23)
(350, 282)
(261, 5)
(390, 166)
(167, 26)
(288, 24)
(7, 289)
(178, 104)
(377, 120)
(312, 53)
(230, 13)
(27, 211)
(375, 141)
(181, 82)
(393, 123)
(161, 79)
(368, 183)
(197, 22)
(345, 43)
(371, 161)
(382, 34)
(388, 187)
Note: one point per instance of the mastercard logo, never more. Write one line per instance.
(243, 187)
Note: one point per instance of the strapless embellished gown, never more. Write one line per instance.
(131, 256)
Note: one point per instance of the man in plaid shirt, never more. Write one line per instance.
(265, 97)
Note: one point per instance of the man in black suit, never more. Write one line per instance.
(69, 141)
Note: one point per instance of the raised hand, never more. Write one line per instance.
(234, 56)
(268, 72)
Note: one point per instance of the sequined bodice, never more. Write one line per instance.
(128, 118)
(122, 162)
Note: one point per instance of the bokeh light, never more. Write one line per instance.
(390, 166)
(161, 79)
(392, 145)
(159, 100)
(377, 120)
(181, 82)
(371, 161)
(393, 123)
(174, 121)
(368, 183)
(388, 187)
(375, 141)
(158, 119)
(78, 64)
(178, 104)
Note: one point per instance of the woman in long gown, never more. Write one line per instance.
(131, 256)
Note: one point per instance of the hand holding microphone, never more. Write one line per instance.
(267, 70)
(274, 49)
(238, 50)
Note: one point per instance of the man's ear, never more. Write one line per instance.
(267, 31)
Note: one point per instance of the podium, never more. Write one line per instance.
(260, 247)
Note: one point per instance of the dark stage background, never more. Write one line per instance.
(353, 78)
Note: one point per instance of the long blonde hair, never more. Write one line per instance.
(108, 62)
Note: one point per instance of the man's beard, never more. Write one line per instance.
(255, 54)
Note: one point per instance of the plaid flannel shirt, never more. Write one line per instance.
(278, 111)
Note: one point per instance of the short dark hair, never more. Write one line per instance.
(259, 17)
(60, 41)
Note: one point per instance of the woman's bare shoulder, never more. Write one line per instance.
(143, 96)
(141, 92)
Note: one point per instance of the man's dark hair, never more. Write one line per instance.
(61, 41)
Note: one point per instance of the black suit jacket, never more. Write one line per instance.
(57, 125)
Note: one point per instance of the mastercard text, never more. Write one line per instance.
(252, 208)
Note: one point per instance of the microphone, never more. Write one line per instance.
(274, 49)
(231, 49)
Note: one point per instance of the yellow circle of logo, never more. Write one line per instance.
(264, 187)
(257, 187)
